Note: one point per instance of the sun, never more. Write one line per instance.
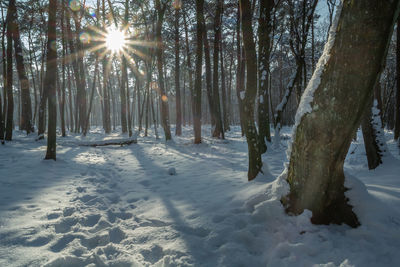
(115, 40)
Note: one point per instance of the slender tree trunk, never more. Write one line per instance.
(26, 106)
(9, 78)
(189, 65)
(178, 130)
(333, 109)
(397, 122)
(264, 40)
(96, 69)
(250, 129)
(225, 113)
(374, 154)
(51, 75)
(219, 129)
(207, 61)
(241, 66)
(199, 65)
(160, 66)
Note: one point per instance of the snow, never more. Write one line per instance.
(119, 206)
(242, 95)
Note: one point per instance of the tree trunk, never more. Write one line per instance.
(250, 129)
(51, 75)
(199, 65)
(178, 130)
(374, 154)
(219, 129)
(160, 66)
(26, 106)
(332, 107)
(9, 78)
(264, 31)
(397, 122)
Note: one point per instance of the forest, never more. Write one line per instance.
(199, 133)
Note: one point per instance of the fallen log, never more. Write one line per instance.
(111, 143)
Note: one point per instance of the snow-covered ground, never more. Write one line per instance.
(179, 204)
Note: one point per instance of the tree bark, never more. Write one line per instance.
(332, 108)
(9, 78)
(219, 129)
(199, 65)
(374, 154)
(397, 122)
(250, 129)
(26, 106)
(51, 69)
(160, 66)
(178, 130)
(264, 40)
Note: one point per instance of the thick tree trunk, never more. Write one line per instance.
(332, 107)
(250, 129)
(199, 65)
(51, 75)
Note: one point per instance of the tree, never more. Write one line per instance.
(26, 107)
(160, 66)
(331, 109)
(199, 66)
(250, 129)
(178, 131)
(219, 129)
(9, 78)
(397, 122)
(264, 31)
(51, 82)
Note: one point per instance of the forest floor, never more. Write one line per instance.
(178, 204)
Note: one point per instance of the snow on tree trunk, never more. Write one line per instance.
(374, 140)
(331, 109)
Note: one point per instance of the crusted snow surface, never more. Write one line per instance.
(119, 206)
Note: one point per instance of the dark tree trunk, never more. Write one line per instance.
(323, 135)
(50, 78)
(160, 66)
(86, 128)
(250, 129)
(26, 106)
(189, 64)
(241, 65)
(225, 108)
(219, 129)
(397, 122)
(374, 154)
(264, 31)
(199, 65)
(9, 78)
(178, 130)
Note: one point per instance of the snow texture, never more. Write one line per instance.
(119, 206)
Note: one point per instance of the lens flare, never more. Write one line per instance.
(115, 40)
(75, 5)
(85, 38)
